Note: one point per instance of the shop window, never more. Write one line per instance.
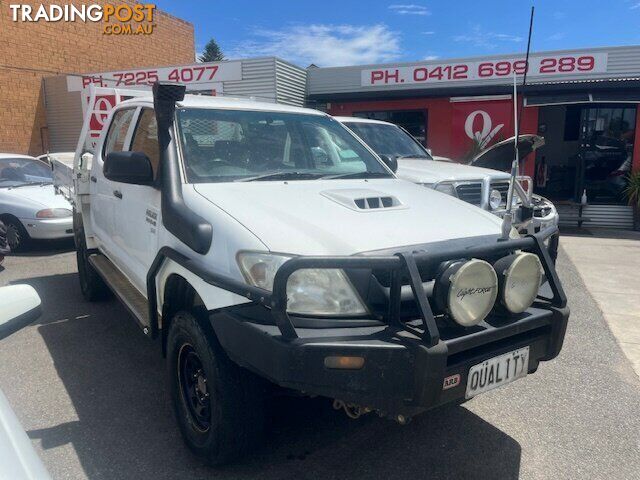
(572, 123)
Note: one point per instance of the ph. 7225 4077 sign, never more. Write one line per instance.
(539, 66)
(196, 76)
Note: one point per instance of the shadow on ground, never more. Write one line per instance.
(115, 378)
(599, 233)
(45, 248)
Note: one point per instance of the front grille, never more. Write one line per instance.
(470, 192)
(503, 188)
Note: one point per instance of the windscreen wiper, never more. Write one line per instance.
(358, 175)
(400, 157)
(281, 176)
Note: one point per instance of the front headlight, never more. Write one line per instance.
(446, 188)
(467, 290)
(314, 291)
(519, 276)
(54, 213)
(495, 199)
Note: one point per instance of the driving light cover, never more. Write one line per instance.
(468, 291)
(313, 291)
(520, 276)
(495, 199)
(54, 213)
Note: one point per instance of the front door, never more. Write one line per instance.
(105, 194)
(139, 218)
(606, 151)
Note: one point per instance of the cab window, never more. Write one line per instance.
(118, 131)
(145, 139)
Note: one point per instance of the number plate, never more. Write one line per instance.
(497, 371)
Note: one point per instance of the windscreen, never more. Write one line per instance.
(242, 145)
(16, 172)
(388, 140)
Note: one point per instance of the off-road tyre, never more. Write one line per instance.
(230, 421)
(91, 284)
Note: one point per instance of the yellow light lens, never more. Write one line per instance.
(344, 363)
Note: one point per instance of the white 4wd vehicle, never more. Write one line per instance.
(483, 187)
(267, 247)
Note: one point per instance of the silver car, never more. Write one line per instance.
(29, 207)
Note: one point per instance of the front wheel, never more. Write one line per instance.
(219, 406)
(17, 236)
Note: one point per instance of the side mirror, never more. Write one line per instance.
(390, 162)
(128, 167)
(19, 306)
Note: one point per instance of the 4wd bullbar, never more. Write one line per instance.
(407, 355)
(402, 268)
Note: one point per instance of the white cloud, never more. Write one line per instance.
(409, 9)
(635, 5)
(430, 32)
(489, 40)
(324, 45)
(557, 36)
(431, 57)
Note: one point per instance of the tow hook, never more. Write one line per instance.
(356, 411)
(352, 411)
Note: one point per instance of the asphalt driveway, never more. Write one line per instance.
(90, 391)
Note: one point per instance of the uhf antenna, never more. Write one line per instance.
(515, 165)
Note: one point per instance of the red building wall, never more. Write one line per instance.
(451, 125)
(636, 144)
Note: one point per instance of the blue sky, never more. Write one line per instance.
(346, 32)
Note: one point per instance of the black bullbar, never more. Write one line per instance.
(405, 362)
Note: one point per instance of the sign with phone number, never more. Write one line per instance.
(539, 66)
(197, 77)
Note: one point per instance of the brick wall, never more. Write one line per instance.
(30, 51)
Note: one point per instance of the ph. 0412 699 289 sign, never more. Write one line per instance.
(539, 66)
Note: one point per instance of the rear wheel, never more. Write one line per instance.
(219, 406)
(91, 284)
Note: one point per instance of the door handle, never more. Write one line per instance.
(94, 179)
(117, 194)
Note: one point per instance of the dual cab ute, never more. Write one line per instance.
(267, 248)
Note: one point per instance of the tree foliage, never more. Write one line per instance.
(211, 52)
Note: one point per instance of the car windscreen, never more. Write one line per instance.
(242, 145)
(388, 140)
(16, 172)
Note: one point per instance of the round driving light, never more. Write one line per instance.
(468, 291)
(495, 199)
(520, 277)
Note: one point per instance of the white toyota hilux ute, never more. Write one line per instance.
(268, 249)
(483, 187)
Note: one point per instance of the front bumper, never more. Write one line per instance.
(408, 353)
(401, 373)
(49, 228)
